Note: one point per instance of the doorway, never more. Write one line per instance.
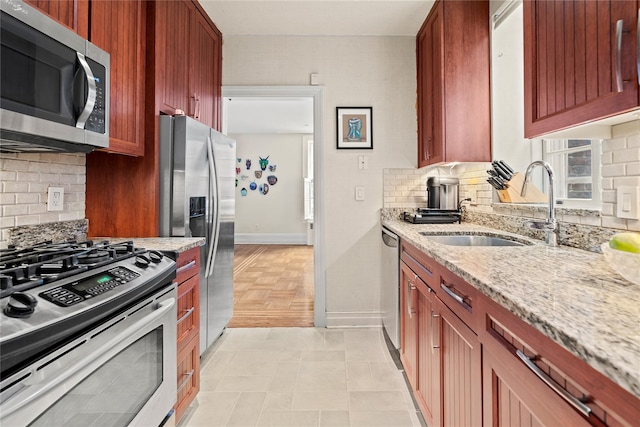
(314, 231)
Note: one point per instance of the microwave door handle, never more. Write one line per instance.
(91, 98)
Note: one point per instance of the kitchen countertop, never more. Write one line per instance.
(172, 244)
(572, 296)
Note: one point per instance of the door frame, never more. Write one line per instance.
(319, 261)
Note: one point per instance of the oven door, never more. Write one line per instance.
(122, 373)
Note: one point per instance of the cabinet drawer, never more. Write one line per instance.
(188, 310)
(188, 376)
(188, 264)
(423, 266)
(461, 298)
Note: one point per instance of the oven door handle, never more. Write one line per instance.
(93, 361)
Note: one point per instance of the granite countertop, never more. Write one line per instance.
(173, 244)
(572, 296)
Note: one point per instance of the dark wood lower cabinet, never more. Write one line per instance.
(461, 370)
(471, 362)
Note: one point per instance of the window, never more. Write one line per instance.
(576, 163)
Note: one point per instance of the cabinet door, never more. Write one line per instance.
(408, 324)
(572, 73)
(515, 397)
(461, 371)
(188, 310)
(72, 13)
(204, 81)
(118, 27)
(429, 61)
(428, 390)
(172, 30)
(188, 376)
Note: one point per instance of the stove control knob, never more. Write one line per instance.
(20, 305)
(6, 285)
(155, 256)
(142, 261)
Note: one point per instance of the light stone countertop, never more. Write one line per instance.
(171, 244)
(572, 296)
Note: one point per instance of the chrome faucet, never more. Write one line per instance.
(550, 226)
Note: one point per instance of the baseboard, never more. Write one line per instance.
(354, 319)
(270, 239)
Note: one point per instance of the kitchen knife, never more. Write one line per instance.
(507, 167)
(501, 172)
(491, 172)
(502, 182)
(494, 182)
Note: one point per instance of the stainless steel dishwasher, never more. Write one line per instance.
(390, 294)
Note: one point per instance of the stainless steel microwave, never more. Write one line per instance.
(54, 90)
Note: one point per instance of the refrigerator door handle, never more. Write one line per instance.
(214, 209)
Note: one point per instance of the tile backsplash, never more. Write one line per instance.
(25, 179)
(405, 189)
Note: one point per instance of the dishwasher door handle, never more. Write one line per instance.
(389, 238)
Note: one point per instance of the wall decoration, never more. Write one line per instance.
(260, 189)
(253, 185)
(248, 163)
(239, 159)
(354, 127)
(244, 177)
(243, 192)
(237, 171)
(236, 182)
(272, 168)
(272, 179)
(263, 162)
(265, 189)
(258, 174)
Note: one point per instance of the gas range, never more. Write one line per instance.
(52, 291)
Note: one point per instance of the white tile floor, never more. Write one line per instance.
(301, 377)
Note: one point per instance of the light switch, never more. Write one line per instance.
(628, 202)
(359, 193)
(315, 79)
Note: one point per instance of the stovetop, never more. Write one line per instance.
(24, 269)
(51, 291)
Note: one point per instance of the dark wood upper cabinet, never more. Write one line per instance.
(574, 71)
(190, 55)
(452, 55)
(118, 27)
(72, 13)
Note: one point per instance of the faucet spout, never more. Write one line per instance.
(550, 225)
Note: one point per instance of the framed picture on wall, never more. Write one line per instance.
(354, 127)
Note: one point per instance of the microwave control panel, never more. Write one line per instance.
(97, 120)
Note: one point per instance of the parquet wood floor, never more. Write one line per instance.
(272, 286)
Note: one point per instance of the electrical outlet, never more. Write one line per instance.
(473, 195)
(363, 162)
(359, 193)
(257, 227)
(55, 198)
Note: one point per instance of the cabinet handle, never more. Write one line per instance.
(196, 107)
(411, 287)
(619, 25)
(638, 46)
(185, 315)
(459, 299)
(433, 316)
(186, 380)
(575, 402)
(186, 267)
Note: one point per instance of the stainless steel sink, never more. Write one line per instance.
(472, 240)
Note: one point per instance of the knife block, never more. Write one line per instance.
(512, 193)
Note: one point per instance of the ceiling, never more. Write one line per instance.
(304, 18)
(318, 17)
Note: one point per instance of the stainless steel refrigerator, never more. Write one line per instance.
(197, 199)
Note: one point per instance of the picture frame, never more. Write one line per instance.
(354, 128)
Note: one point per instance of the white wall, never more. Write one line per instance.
(25, 179)
(354, 72)
(278, 216)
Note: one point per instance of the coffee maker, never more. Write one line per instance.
(442, 203)
(442, 193)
